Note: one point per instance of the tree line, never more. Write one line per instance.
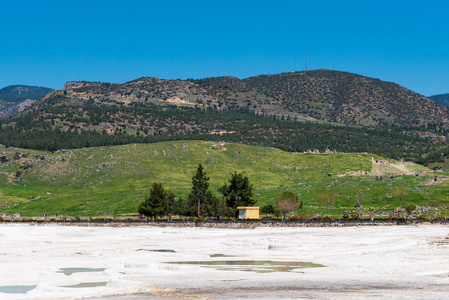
(78, 127)
(200, 201)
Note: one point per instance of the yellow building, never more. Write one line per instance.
(247, 212)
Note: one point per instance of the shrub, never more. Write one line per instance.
(355, 217)
(422, 218)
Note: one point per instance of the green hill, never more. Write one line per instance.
(113, 180)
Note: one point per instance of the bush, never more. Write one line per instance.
(422, 218)
(355, 217)
(381, 218)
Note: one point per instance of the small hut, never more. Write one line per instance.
(248, 212)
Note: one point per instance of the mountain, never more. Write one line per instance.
(17, 93)
(16, 98)
(442, 99)
(295, 112)
(323, 95)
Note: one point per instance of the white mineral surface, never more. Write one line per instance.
(366, 262)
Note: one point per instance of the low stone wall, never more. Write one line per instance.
(211, 224)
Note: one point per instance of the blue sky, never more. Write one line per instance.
(48, 43)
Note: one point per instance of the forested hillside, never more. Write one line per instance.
(16, 98)
(264, 110)
(442, 99)
(16, 93)
(325, 95)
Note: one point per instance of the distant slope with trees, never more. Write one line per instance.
(16, 98)
(442, 99)
(324, 95)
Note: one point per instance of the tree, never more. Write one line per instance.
(410, 208)
(267, 209)
(400, 193)
(238, 192)
(206, 203)
(326, 198)
(287, 202)
(171, 203)
(155, 204)
(359, 198)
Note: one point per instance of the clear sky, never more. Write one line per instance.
(48, 43)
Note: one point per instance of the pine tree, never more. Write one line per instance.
(206, 203)
(155, 204)
(238, 192)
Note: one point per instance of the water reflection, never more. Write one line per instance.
(17, 289)
(70, 271)
(260, 266)
(86, 284)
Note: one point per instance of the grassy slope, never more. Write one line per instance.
(113, 180)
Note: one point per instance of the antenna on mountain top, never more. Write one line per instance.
(294, 65)
(306, 61)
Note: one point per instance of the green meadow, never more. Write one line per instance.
(113, 180)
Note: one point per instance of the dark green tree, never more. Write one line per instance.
(238, 192)
(180, 207)
(268, 209)
(171, 203)
(155, 204)
(200, 197)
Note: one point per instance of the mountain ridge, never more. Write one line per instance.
(441, 99)
(324, 95)
(295, 112)
(16, 98)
